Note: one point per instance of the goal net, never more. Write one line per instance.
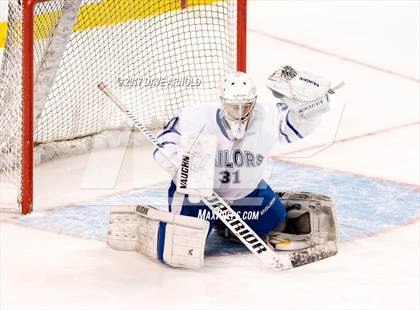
(157, 56)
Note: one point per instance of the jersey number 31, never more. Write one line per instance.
(227, 177)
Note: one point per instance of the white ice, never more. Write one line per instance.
(374, 47)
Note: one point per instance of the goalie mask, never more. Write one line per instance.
(238, 96)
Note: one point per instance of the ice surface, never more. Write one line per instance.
(57, 258)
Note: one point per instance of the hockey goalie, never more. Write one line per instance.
(223, 147)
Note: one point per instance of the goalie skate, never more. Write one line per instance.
(311, 231)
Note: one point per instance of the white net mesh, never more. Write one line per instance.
(156, 55)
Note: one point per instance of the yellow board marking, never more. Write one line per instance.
(3, 27)
(106, 12)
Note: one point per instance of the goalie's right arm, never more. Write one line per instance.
(169, 138)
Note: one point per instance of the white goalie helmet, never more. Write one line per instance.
(238, 95)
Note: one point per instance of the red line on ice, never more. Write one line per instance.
(344, 58)
(414, 187)
(364, 135)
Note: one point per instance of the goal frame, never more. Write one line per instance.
(28, 7)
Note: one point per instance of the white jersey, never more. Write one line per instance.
(239, 164)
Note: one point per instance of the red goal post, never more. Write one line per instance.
(200, 38)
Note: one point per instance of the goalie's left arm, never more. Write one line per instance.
(292, 126)
(304, 99)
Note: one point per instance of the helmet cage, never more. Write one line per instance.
(236, 115)
(238, 110)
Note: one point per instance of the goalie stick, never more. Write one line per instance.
(273, 260)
